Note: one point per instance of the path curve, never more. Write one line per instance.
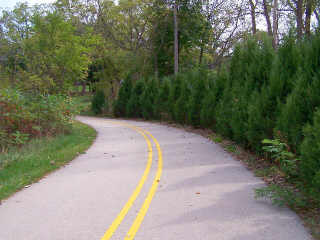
(203, 194)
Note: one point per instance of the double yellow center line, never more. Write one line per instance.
(143, 210)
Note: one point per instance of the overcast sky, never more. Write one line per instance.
(10, 3)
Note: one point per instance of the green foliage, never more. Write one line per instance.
(181, 106)
(175, 91)
(232, 149)
(216, 138)
(281, 196)
(193, 31)
(295, 112)
(302, 101)
(259, 122)
(133, 108)
(263, 94)
(224, 111)
(281, 155)
(207, 114)
(98, 102)
(310, 152)
(147, 99)
(198, 92)
(24, 116)
(216, 84)
(119, 108)
(161, 101)
(249, 72)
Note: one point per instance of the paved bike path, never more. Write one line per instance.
(203, 193)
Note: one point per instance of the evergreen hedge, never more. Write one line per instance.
(262, 94)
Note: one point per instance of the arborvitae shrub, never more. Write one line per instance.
(133, 108)
(119, 107)
(256, 60)
(194, 106)
(146, 105)
(147, 99)
(310, 152)
(283, 73)
(216, 84)
(207, 116)
(181, 105)
(260, 123)
(311, 56)
(304, 98)
(239, 113)
(98, 102)
(174, 94)
(223, 112)
(264, 107)
(295, 113)
(154, 86)
(161, 101)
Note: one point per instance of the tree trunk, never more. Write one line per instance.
(176, 44)
(275, 24)
(299, 13)
(308, 17)
(253, 17)
(267, 16)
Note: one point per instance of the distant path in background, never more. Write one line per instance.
(147, 181)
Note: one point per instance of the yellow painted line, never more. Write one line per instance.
(143, 211)
(113, 227)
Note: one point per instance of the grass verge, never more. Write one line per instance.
(22, 167)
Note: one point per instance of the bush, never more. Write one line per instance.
(261, 94)
(197, 94)
(147, 99)
(223, 112)
(98, 102)
(310, 155)
(216, 83)
(120, 104)
(298, 109)
(161, 101)
(174, 94)
(24, 116)
(260, 121)
(133, 107)
(181, 105)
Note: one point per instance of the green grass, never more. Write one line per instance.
(216, 138)
(232, 149)
(21, 167)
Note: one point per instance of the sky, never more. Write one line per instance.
(11, 3)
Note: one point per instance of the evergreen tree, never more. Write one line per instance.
(310, 152)
(216, 86)
(194, 106)
(147, 99)
(119, 107)
(133, 107)
(98, 102)
(161, 101)
(298, 109)
(181, 106)
(175, 89)
(223, 112)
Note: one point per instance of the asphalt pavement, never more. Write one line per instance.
(147, 181)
